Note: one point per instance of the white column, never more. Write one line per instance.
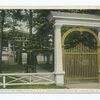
(58, 66)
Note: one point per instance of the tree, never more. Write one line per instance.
(2, 17)
(39, 27)
(31, 55)
(15, 16)
(44, 32)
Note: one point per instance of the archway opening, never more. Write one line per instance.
(80, 55)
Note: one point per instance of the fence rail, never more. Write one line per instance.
(26, 79)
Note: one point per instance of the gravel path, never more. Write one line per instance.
(83, 86)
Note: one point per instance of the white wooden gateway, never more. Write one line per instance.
(61, 19)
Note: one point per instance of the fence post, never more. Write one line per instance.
(4, 81)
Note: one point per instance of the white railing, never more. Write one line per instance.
(26, 78)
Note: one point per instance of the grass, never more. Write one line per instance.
(14, 68)
(37, 86)
(48, 67)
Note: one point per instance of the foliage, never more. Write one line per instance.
(2, 22)
(44, 29)
(40, 31)
(83, 11)
(76, 37)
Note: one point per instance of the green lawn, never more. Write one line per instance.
(37, 86)
(14, 68)
(44, 66)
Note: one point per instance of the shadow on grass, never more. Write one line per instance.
(12, 68)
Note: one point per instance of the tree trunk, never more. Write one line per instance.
(1, 33)
(43, 58)
(30, 32)
(16, 56)
(19, 59)
(13, 31)
(30, 22)
(48, 58)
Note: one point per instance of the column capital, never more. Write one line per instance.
(57, 25)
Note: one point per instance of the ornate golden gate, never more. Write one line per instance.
(80, 57)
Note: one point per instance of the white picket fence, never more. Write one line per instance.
(26, 79)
